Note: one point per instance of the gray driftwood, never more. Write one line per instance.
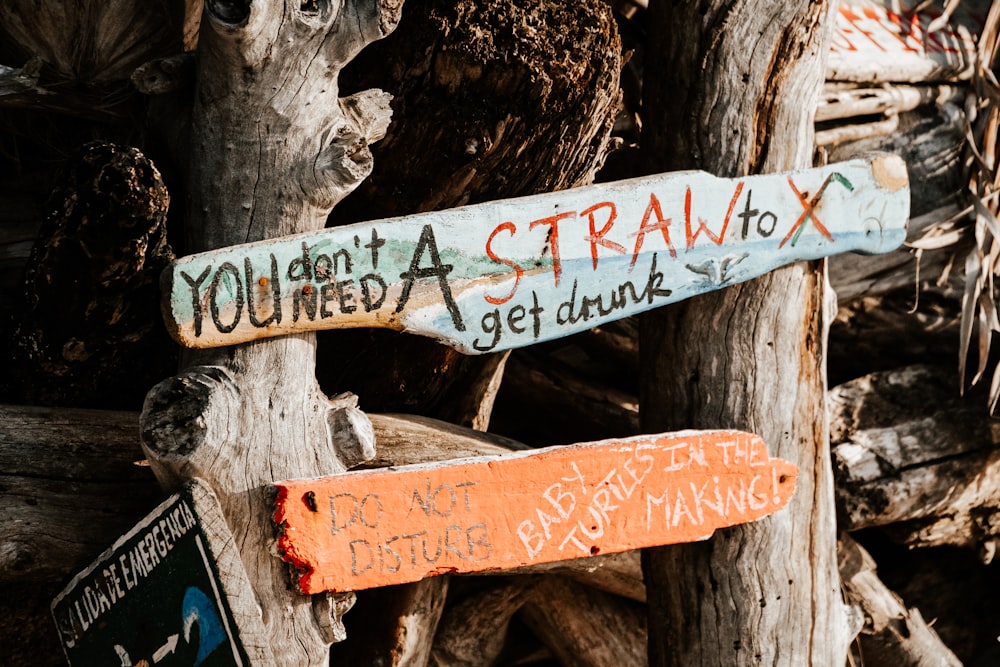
(911, 455)
(892, 634)
(931, 140)
(393, 626)
(273, 148)
(748, 357)
(71, 486)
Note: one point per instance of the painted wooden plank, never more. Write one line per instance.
(396, 525)
(511, 273)
(874, 43)
(159, 595)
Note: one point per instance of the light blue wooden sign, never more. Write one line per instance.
(515, 272)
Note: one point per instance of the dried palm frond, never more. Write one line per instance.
(979, 305)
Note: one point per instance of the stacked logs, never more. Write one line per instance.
(916, 487)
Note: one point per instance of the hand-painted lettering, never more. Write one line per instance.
(553, 239)
(465, 277)
(518, 271)
(437, 268)
(596, 237)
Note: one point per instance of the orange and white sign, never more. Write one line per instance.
(874, 43)
(395, 525)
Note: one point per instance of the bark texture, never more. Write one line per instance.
(730, 87)
(491, 99)
(273, 148)
(892, 633)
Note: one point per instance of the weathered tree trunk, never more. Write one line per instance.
(491, 99)
(730, 87)
(273, 149)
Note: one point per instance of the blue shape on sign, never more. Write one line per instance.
(199, 609)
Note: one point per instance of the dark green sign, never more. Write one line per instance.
(153, 598)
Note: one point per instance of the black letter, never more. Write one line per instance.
(238, 301)
(495, 328)
(195, 301)
(366, 295)
(746, 215)
(374, 246)
(304, 264)
(535, 310)
(438, 269)
(760, 224)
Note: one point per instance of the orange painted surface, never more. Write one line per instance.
(396, 525)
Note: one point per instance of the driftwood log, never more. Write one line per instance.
(737, 96)
(91, 487)
(891, 634)
(273, 148)
(586, 627)
(474, 630)
(912, 455)
(931, 140)
(94, 455)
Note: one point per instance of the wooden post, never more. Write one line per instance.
(736, 95)
(273, 148)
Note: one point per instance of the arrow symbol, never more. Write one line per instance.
(166, 649)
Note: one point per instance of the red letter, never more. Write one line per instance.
(717, 240)
(507, 226)
(662, 224)
(596, 238)
(553, 222)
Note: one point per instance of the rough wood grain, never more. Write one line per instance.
(76, 479)
(585, 627)
(545, 402)
(620, 574)
(737, 96)
(273, 148)
(843, 101)
(70, 485)
(393, 626)
(892, 634)
(912, 455)
(474, 629)
(930, 139)
(899, 328)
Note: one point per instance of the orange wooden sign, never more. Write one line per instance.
(395, 525)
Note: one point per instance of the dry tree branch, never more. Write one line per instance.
(979, 308)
